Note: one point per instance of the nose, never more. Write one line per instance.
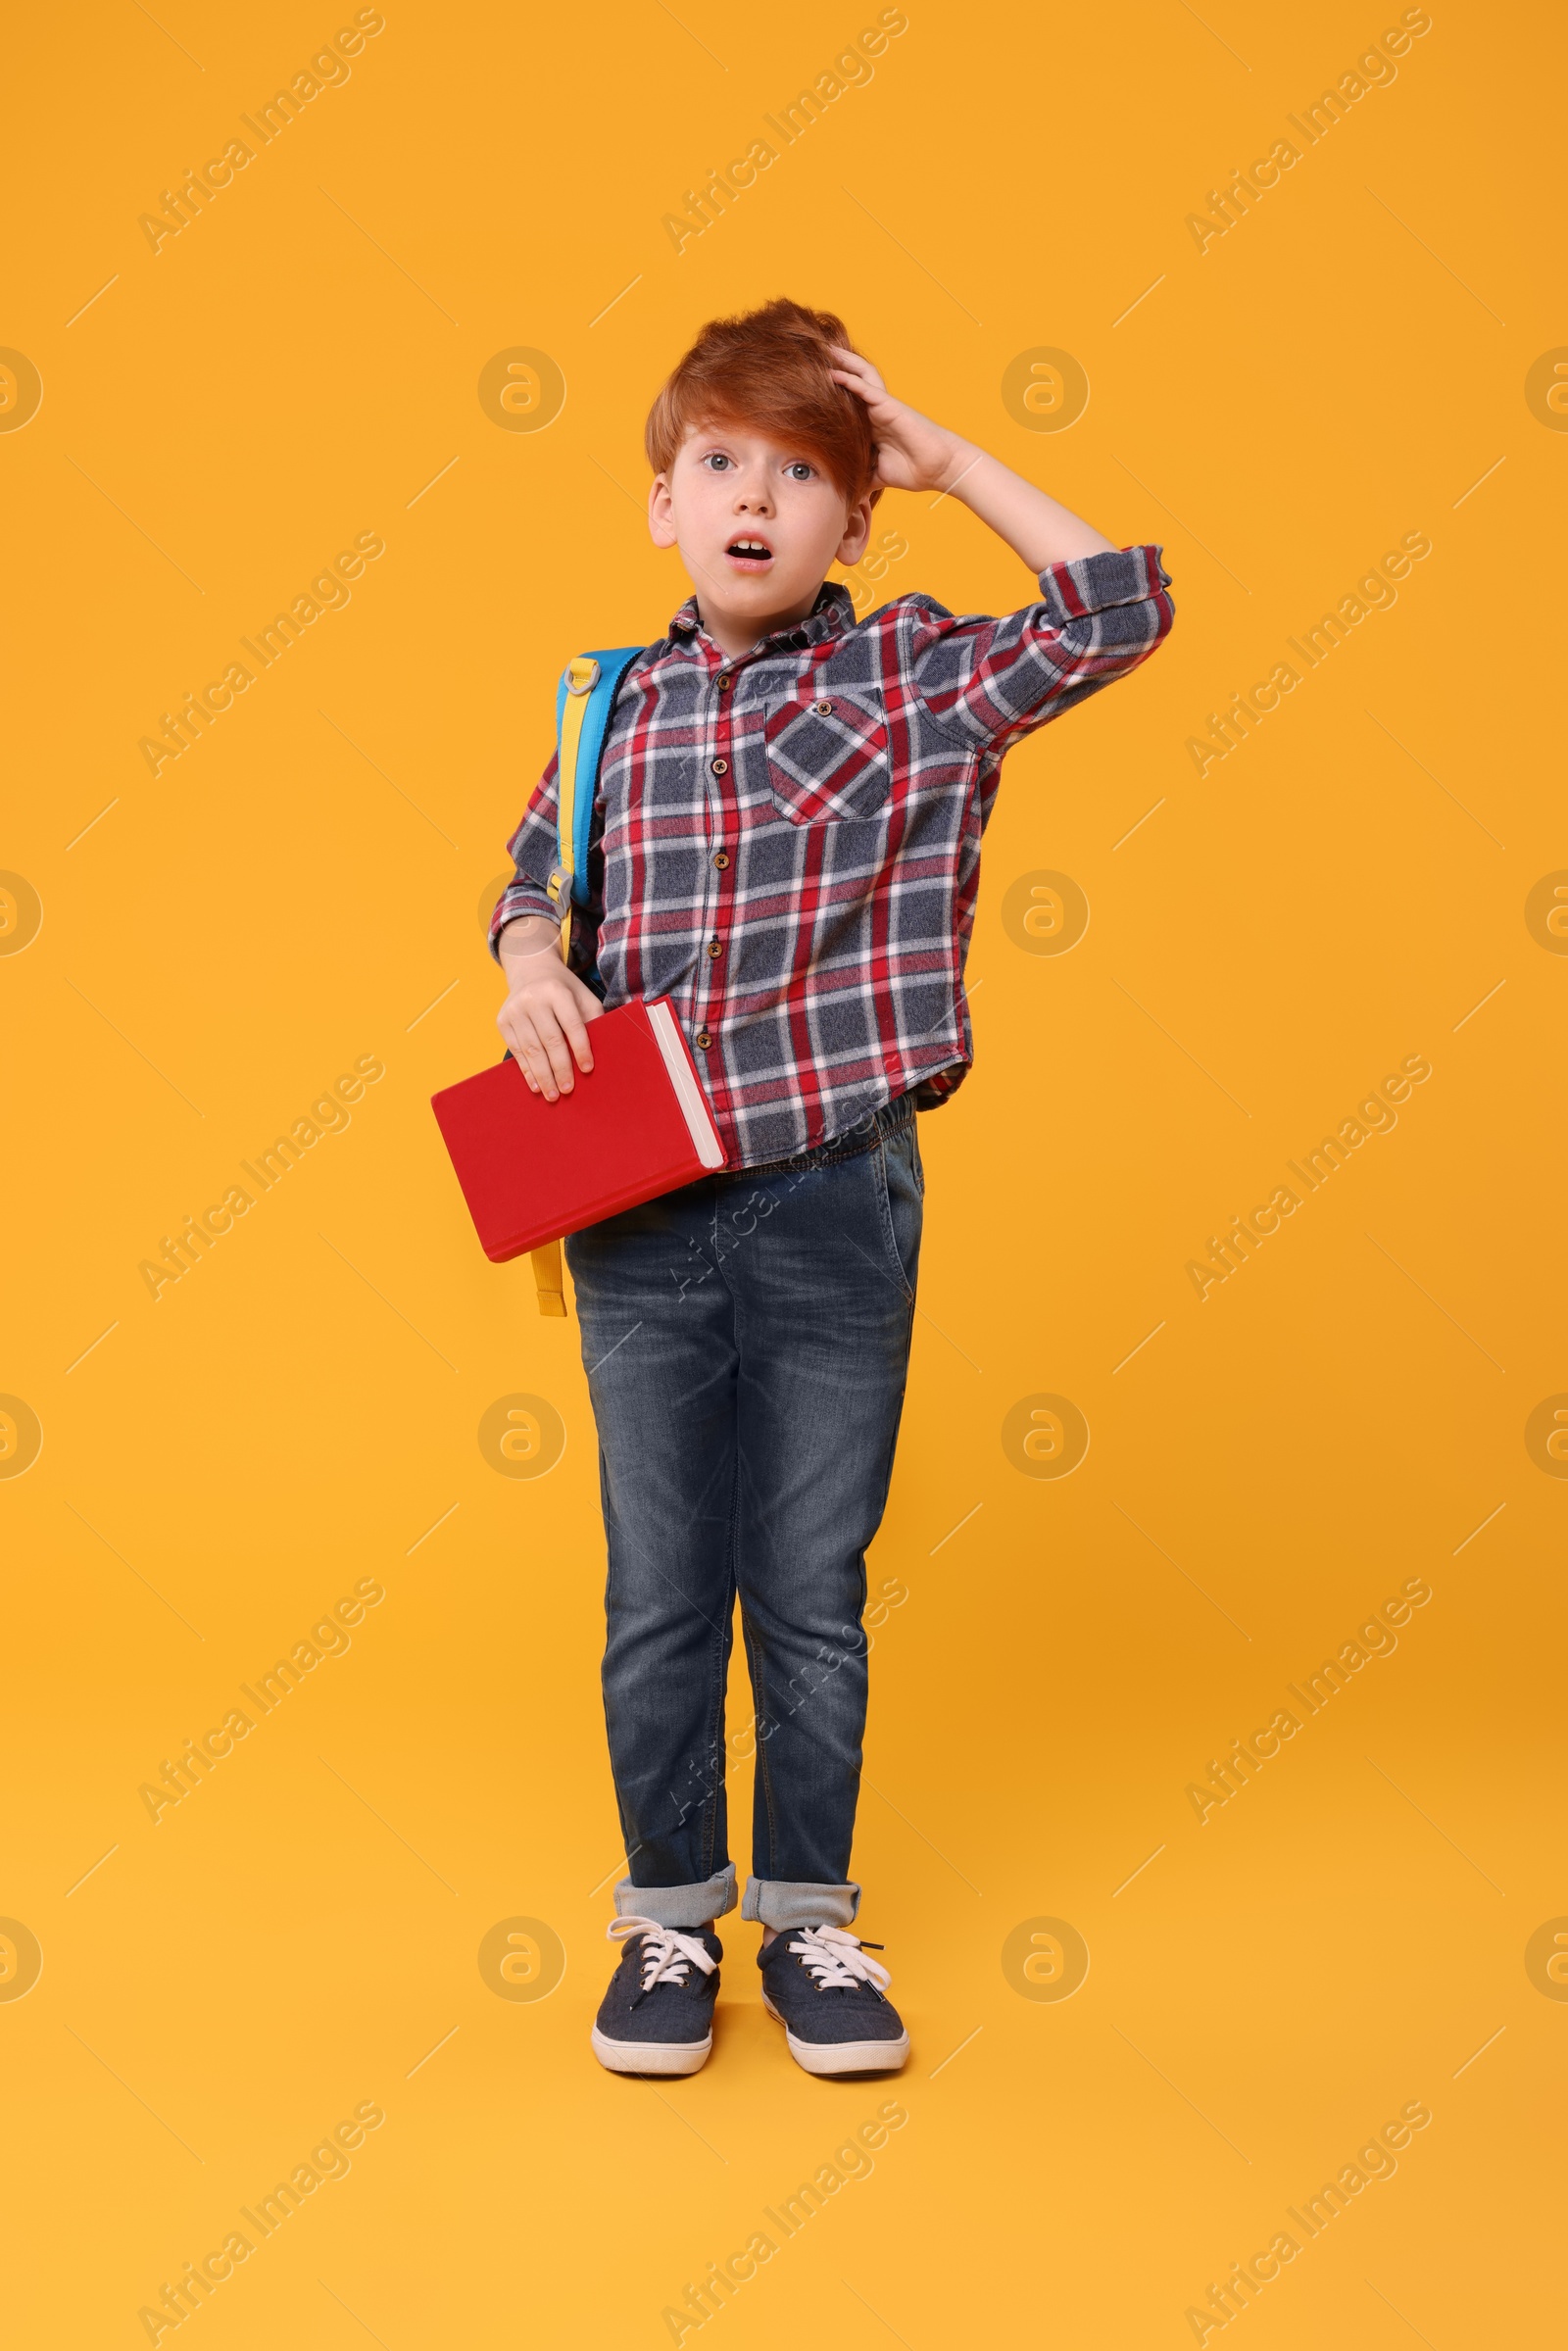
(751, 496)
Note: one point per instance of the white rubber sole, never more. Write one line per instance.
(649, 2056)
(844, 2056)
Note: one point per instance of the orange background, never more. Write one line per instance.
(302, 888)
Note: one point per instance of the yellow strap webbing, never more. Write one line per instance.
(581, 671)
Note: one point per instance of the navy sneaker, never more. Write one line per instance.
(830, 2000)
(658, 2015)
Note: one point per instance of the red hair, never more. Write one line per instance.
(771, 369)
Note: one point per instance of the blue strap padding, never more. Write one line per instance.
(613, 668)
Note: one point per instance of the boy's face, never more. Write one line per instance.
(757, 523)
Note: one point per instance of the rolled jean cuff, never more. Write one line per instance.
(782, 1903)
(682, 1906)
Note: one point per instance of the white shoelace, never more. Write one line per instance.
(837, 1959)
(665, 1956)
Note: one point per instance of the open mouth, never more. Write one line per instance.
(747, 554)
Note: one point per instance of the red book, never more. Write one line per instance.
(633, 1126)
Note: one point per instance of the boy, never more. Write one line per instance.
(789, 811)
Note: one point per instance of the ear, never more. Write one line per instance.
(661, 512)
(857, 531)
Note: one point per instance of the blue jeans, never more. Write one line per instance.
(747, 1342)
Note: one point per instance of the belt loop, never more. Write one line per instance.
(896, 1113)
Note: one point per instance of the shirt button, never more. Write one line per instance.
(823, 709)
(721, 858)
(725, 682)
(719, 766)
(703, 1039)
(715, 946)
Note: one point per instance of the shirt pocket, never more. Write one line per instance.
(827, 756)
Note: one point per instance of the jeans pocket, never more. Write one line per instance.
(900, 1206)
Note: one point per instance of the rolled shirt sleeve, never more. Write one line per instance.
(532, 850)
(988, 682)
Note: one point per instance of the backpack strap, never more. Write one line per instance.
(584, 699)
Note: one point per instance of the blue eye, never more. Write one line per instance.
(801, 471)
(715, 458)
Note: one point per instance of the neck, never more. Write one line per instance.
(735, 633)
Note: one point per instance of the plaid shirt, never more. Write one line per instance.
(787, 843)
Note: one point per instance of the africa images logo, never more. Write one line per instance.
(1229, 1252)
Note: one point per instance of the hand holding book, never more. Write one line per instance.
(638, 1126)
(544, 1019)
